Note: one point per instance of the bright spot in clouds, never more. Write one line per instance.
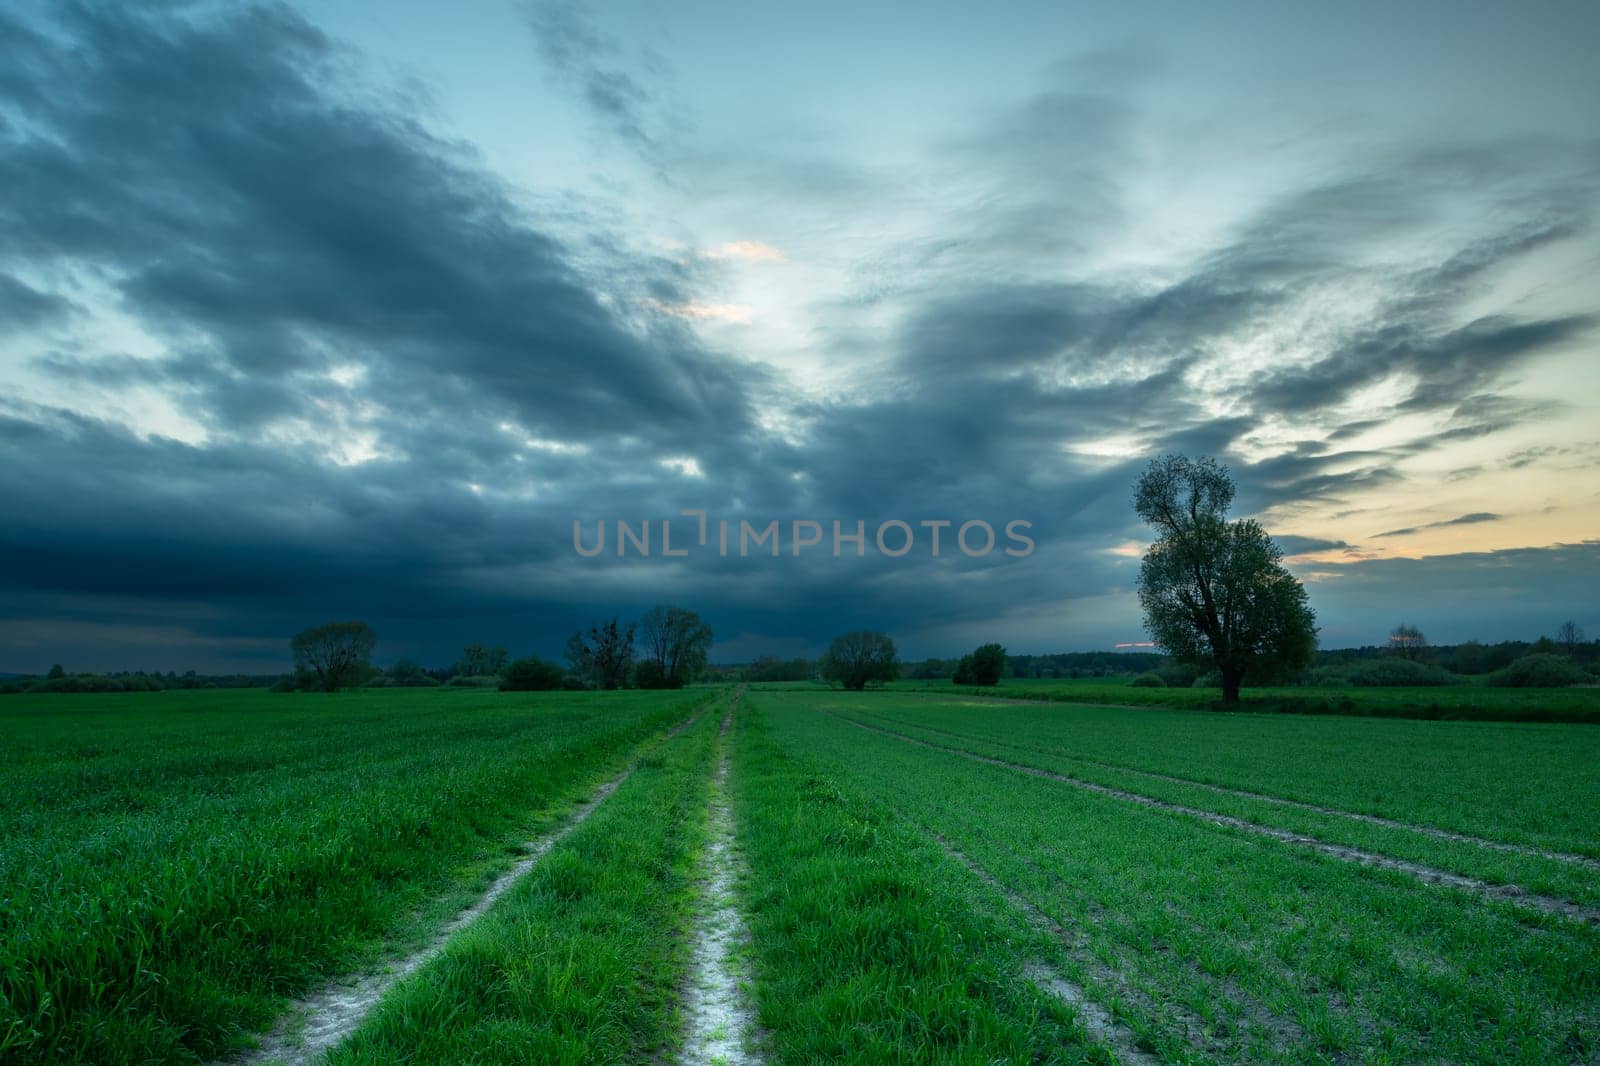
(751, 251)
(700, 312)
(683, 464)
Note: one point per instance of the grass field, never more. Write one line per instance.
(173, 865)
(892, 876)
(1450, 702)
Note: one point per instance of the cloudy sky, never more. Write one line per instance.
(352, 309)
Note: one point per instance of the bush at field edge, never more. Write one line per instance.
(1540, 671)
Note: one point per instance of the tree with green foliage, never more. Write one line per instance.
(1215, 592)
(532, 674)
(56, 673)
(676, 644)
(336, 654)
(859, 657)
(408, 672)
(983, 667)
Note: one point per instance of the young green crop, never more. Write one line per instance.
(581, 960)
(1255, 938)
(173, 865)
(1563, 876)
(1470, 702)
(868, 944)
(1520, 783)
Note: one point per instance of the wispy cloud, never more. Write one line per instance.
(591, 64)
(1461, 520)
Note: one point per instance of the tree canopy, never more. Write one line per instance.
(858, 657)
(676, 643)
(1215, 592)
(604, 654)
(336, 654)
(985, 666)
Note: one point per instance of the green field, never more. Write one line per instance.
(916, 877)
(173, 865)
(1450, 702)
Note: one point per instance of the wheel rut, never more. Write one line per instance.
(1427, 874)
(318, 1022)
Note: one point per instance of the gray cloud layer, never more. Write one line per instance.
(319, 270)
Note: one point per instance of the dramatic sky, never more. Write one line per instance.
(350, 310)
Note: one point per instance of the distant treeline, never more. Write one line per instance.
(489, 666)
(1371, 664)
(1471, 658)
(58, 680)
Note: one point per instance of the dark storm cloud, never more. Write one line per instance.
(273, 227)
(1533, 591)
(320, 270)
(272, 230)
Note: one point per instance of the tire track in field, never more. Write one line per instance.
(317, 1023)
(1427, 874)
(1099, 1022)
(1246, 1008)
(1450, 835)
(720, 1023)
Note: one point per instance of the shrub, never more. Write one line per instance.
(408, 673)
(474, 681)
(1329, 677)
(1178, 675)
(988, 664)
(532, 674)
(649, 674)
(574, 683)
(1391, 672)
(1148, 680)
(78, 683)
(1540, 671)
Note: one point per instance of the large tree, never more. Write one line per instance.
(859, 657)
(336, 653)
(677, 642)
(983, 667)
(608, 651)
(1215, 593)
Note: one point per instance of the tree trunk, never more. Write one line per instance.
(1230, 687)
